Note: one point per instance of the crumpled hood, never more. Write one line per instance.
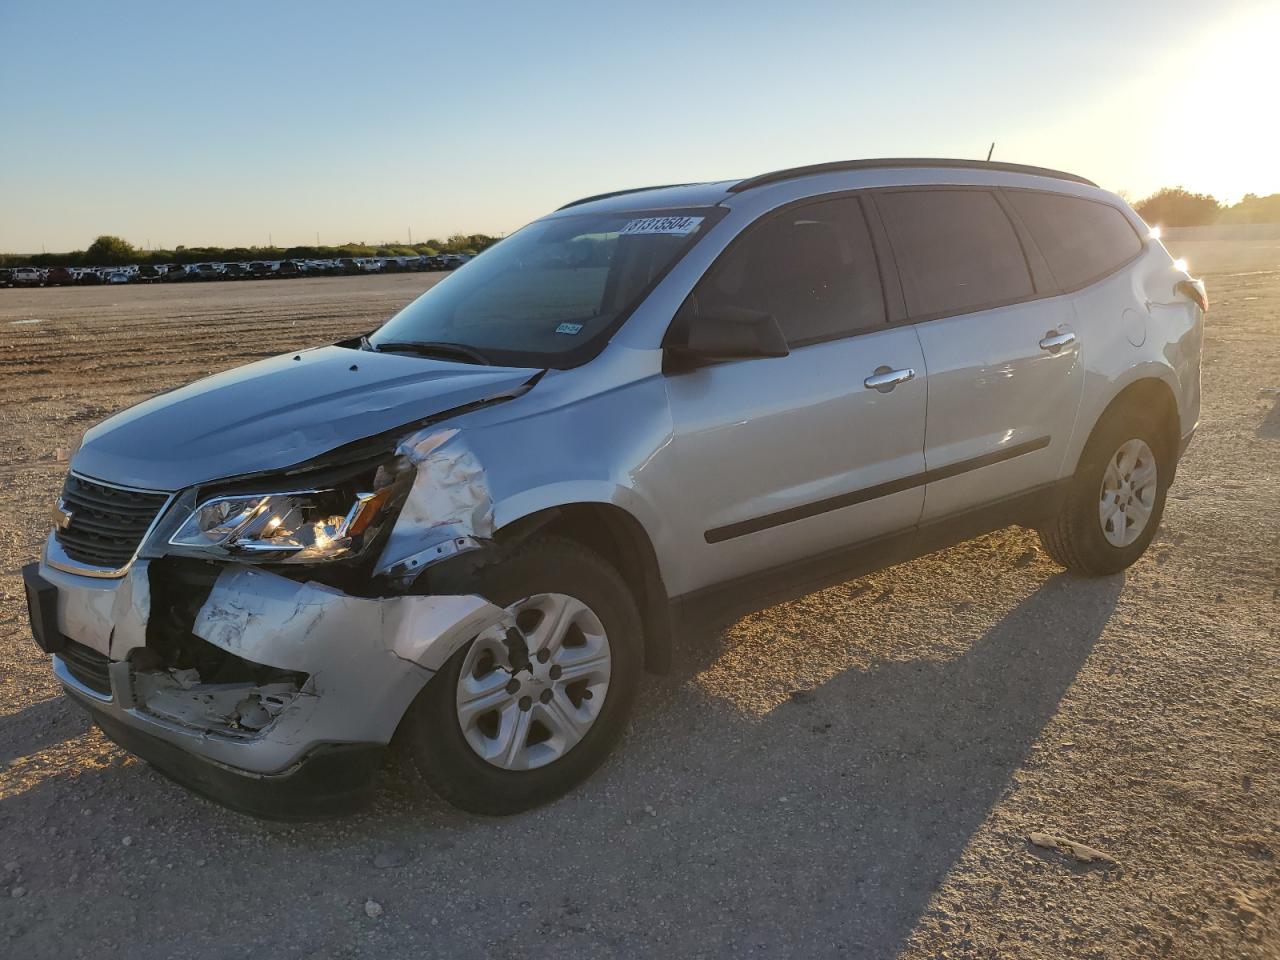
(276, 413)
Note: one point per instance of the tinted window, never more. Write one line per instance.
(812, 267)
(1082, 240)
(956, 250)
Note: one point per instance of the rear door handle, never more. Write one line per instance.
(886, 378)
(1054, 341)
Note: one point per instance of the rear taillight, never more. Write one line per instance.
(1194, 291)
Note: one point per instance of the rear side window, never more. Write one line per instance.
(956, 250)
(1081, 239)
(812, 267)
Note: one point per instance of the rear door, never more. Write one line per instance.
(1002, 355)
(780, 459)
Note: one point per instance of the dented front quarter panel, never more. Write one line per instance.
(447, 508)
(592, 434)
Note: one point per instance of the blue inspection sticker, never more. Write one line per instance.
(570, 328)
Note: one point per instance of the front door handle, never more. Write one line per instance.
(1054, 341)
(886, 378)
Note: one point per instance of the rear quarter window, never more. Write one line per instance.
(1082, 240)
(956, 250)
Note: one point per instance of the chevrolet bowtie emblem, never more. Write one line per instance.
(61, 515)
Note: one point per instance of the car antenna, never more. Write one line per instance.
(991, 151)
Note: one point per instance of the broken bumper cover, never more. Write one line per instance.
(328, 780)
(310, 749)
(331, 780)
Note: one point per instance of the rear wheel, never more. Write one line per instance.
(1116, 499)
(514, 720)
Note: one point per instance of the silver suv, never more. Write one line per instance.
(470, 531)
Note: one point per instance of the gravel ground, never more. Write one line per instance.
(854, 773)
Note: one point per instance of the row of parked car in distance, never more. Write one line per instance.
(251, 270)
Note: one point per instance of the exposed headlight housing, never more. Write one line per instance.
(298, 526)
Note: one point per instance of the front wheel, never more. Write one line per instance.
(1116, 499)
(515, 719)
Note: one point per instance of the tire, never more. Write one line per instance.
(432, 732)
(1079, 538)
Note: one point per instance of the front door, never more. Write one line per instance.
(781, 459)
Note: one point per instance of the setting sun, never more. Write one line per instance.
(1218, 129)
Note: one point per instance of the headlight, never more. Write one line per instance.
(295, 527)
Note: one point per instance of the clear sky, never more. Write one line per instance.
(231, 122)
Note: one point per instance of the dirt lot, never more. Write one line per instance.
(853, 773)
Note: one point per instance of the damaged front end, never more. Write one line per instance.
(267, 676)
(266, 642)
(184, 679)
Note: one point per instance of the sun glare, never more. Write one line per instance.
(1220, 132)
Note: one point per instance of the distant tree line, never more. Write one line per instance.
(110, 251)
(1177, 207)
(1169, 207)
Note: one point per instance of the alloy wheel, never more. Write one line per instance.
(527, 697)
(1128, 494)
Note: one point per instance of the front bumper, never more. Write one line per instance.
(331, 780)
(272, 749)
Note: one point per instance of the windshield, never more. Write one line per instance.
(549, 294)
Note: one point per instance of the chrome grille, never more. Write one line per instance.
(107, 523)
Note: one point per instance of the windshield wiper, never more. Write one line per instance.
(436, 348)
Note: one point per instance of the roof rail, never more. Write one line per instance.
(892, 162)
(620, 193)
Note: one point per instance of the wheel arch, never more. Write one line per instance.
(619, 537)
(1147, 395)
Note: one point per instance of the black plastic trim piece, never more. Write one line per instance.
(762, 589)
(42, 609)
(890, 163)
(1042, 278)
(88, 666)
(804, 511)
(895, 301)
(332, 780)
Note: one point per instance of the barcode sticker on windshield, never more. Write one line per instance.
(670, 226)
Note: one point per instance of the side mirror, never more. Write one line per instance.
(697, 338)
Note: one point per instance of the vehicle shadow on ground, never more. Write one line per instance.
(826, 824)
(1269, 428)
(877, 779)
